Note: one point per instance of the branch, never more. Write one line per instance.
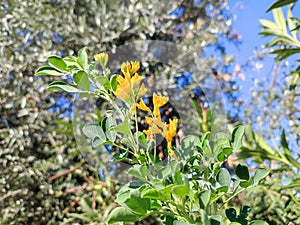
(65, 172)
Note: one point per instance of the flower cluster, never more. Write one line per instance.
(102, 58)
(130, 89)
(129, 84)
(156, 125)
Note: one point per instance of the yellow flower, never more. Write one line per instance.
(155, 121)
(154, 129)
(142, 106)
(135, 66)
(148, 134)
(124, 89)
(136, 80)
(125, 67)
(128, 84)
(154, 125)
(102, 58)
(158, 101)
(170, 131)
(142, 91)
(133, 110)
(130, 67)
(149, 120)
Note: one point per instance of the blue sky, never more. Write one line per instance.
(247, 15)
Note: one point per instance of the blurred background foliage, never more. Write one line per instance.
(43, 176)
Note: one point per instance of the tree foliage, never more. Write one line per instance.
(33, 146)
(273, 121)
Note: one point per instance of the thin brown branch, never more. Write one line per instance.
(65, 172)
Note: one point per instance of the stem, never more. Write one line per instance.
(121, 147)
(154, 148)
(136, 130)
(232, 197)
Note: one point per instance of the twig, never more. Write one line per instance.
(65, 172)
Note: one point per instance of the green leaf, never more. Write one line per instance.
(242, 172)
(244, 211)
(181, 190)
(155, 194)
(269, 24)
(206, 136)
(207, 152)
(224, 177)
(280, 3)
(258, 222)
(286, 52)
(263, 144)
(113, 82)
(122, 214)
(224, 154)
(96, 142)
(57, 62)
(139, 171)
(204, 217)
(141, 139)
(237, 137)
(123, 195)
(231, 214)
(83, 58)
(189, 141)
(48, 71)
(260, 174)
(234, 223)
(71, 63)
(107, 123)
(82, 80)
(137, 204)
(284, 143)
(216, 220)
(156, 205)
(123, 128)
(219, 144)
(291, 23)
(204, 198)
(128, 142)
(188, 145)
(60, 85)
(279, 19)
(294, 82)
(104, 82)
(94, 132)
(246, 183)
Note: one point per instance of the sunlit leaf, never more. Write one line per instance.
(122, 214)
(82, 80)
(280, 3)
(83, 58)
(48, 71)
(57, 62)
(60, 85)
